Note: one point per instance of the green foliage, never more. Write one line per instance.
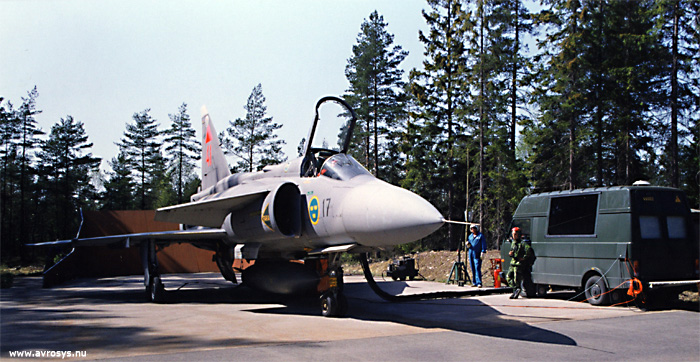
(182, 149)
(461, 140)
(119, 188)
(142, 150)
(376, 95)
(252, 139)
(65, 177)
(438, 93)
(20, 140)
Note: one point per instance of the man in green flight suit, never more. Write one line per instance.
(522, 257)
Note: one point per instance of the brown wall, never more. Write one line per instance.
(102, 261)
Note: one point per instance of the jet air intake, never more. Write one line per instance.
(277, 214)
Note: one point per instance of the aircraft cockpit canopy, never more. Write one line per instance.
(342, 167)
(333, 126)
(330, 134)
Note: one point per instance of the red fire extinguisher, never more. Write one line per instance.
(496, 272)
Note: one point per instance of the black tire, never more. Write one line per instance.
(541, 290)
(226, 268)
(155, 290)
(329, 305)
(596, 290)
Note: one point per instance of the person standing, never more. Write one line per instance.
(476, 244)
(522, 257)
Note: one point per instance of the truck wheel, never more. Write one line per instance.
(596, 291)
(541, 290)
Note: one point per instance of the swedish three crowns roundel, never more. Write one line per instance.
(314, 210)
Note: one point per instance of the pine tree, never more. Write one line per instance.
(9, 126)
(141, 146)
(438, 96)
(252, 139)
(494, 75)
(27, 172)
(119, 189)
(600, 70)
(679, 26)
(559, 95)
(182, 148)
(65, 173)
(376, 95)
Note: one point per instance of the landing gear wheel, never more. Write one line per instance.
(596, 291)
(333, 305)
(156, 290)
(224, 260)
(329, 305)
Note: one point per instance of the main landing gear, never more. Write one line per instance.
(224, 260)
(155, 291)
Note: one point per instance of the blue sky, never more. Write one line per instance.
(103, 61)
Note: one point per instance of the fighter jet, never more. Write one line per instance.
(310, 209)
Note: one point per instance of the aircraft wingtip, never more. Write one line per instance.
(204, 111)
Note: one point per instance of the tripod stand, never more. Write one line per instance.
(459, 270)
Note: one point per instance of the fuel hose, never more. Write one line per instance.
(423, 296)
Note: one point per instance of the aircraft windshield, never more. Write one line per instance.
(342, 167)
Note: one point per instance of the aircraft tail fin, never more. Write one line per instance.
(214, 164)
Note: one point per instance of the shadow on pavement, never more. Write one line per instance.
(30, 313)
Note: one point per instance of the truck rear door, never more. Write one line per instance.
(663, 247)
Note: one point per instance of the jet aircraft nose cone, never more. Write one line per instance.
(379, 214)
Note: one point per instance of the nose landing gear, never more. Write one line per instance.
(333, 301)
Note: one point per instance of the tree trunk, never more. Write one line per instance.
(514, 84)
(675, 178)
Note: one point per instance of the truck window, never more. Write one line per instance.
(650, 227)
(676, 227)
(573, 215)
(524, 225)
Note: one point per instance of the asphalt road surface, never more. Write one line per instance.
(207, 318)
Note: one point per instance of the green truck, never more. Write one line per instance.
(599, 239)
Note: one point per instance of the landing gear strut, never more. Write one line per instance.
(155, 291)
(333, 300)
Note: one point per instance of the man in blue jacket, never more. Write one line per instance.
(476, 243)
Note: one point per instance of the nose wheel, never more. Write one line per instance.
(332, 300)
(334, 304)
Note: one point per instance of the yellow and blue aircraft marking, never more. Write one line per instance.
(314, 210)
(265, 218)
